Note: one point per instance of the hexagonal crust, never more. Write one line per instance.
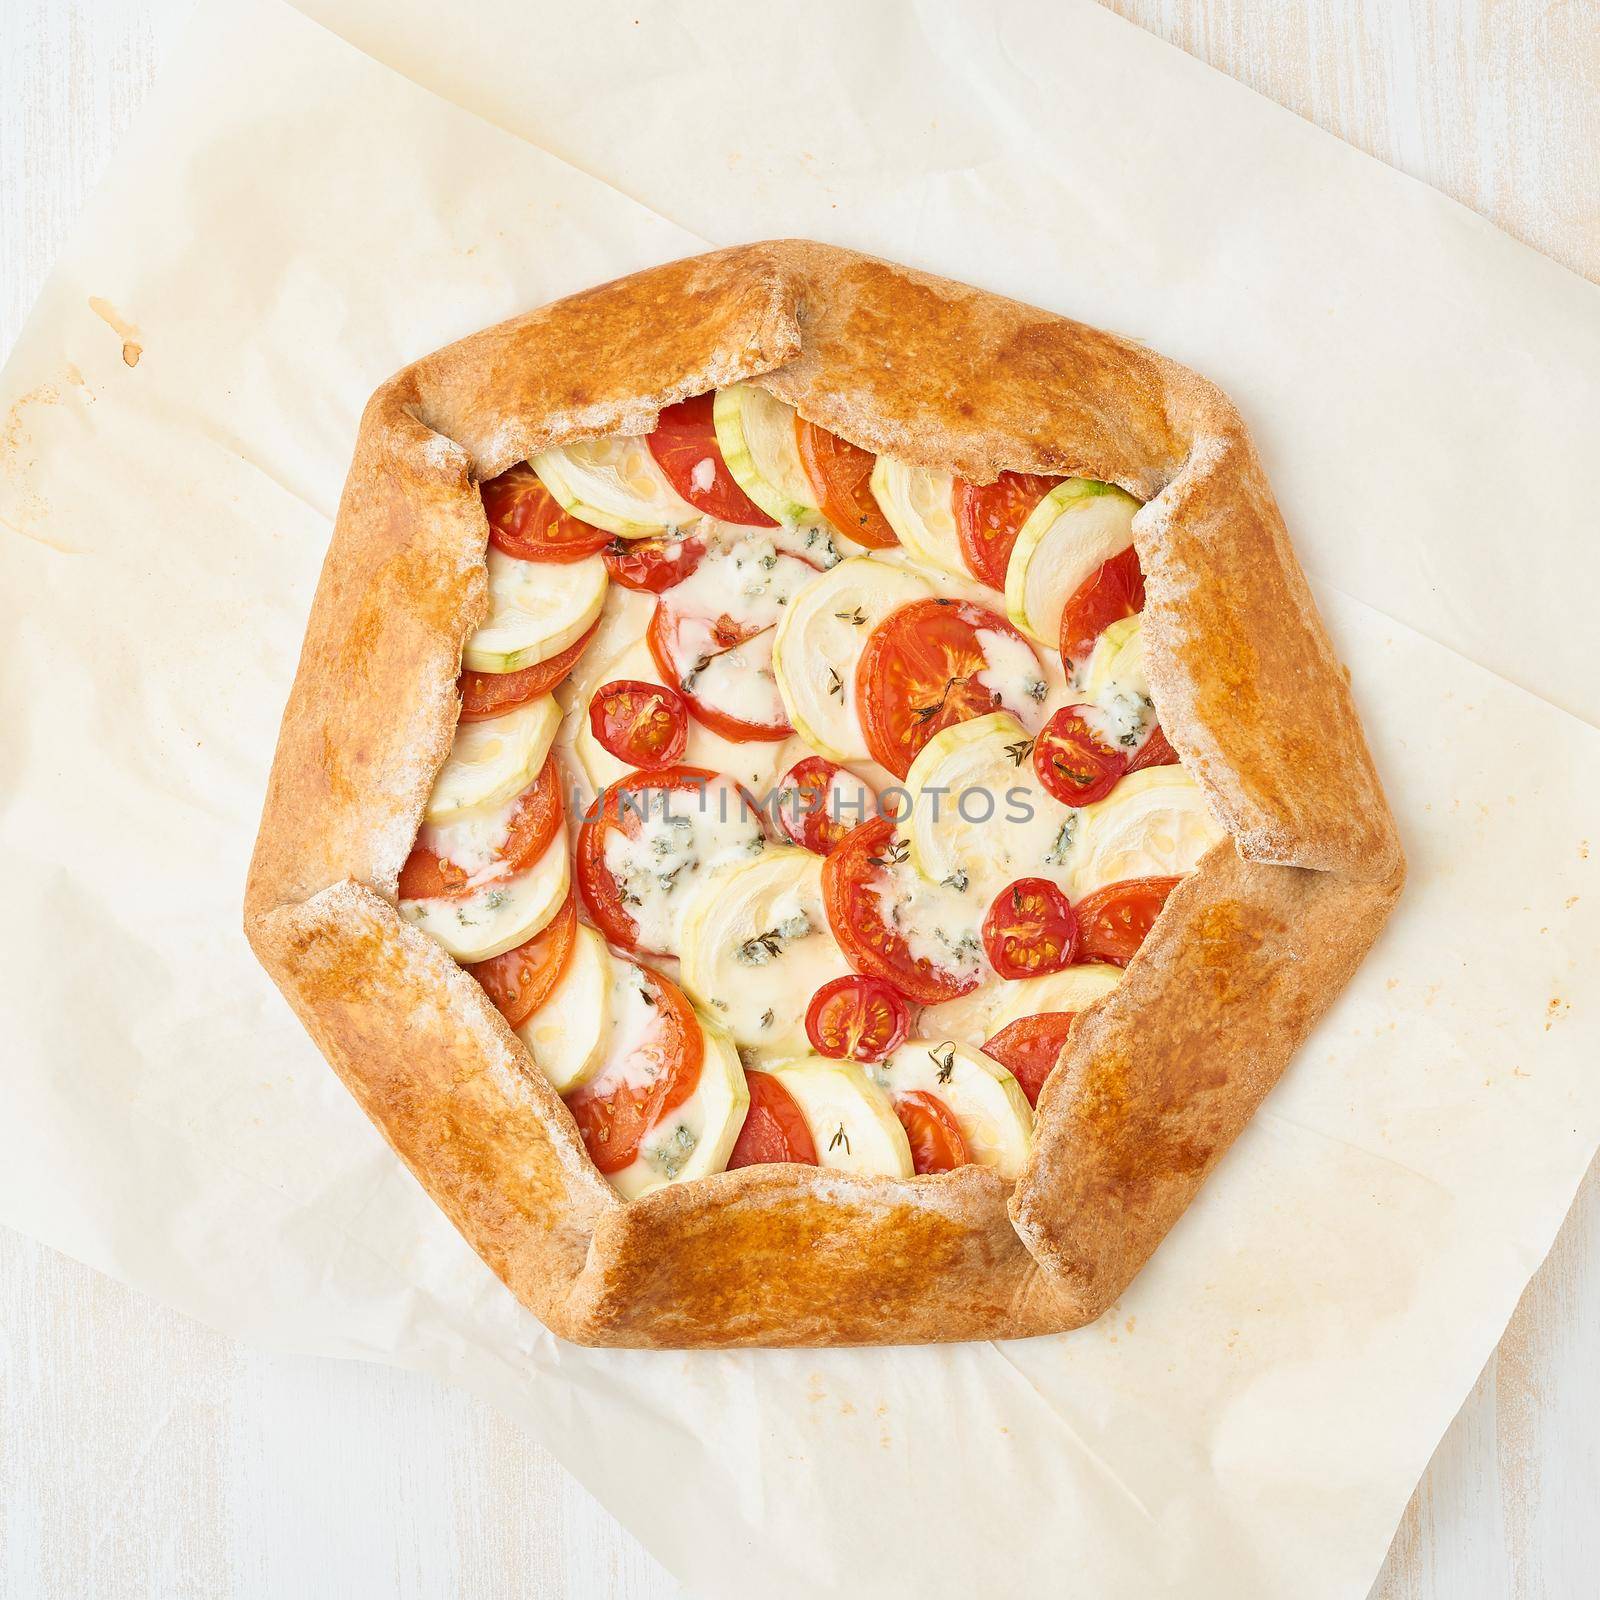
(1160, 1076)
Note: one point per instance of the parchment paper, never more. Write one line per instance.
(289, 224)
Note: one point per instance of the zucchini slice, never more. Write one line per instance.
(756, 434)
(1078, 526)
(615, 484)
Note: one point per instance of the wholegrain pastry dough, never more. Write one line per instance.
(1159, 1076)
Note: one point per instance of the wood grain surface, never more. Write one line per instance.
(143, 1455)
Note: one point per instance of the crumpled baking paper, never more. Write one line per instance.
(290, 223)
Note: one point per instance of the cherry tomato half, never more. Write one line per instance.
(1073, 762)
(774, 1130)
(989, 516)
(1115, 919)
(932, 1132)
(526, 522)
(819, 802)
(1030, 1047)
(1030, 929)
(857, 1019)
(641, 724)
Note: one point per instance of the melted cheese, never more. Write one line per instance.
(1014, 675)
(1114, 681)
(631, 1056)
(939, 922)
(679, 837)
(744, 575)
(739, 683)
(474, 841)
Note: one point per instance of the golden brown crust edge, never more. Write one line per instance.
(952, 377)
(434, 1066)
(1242, 962)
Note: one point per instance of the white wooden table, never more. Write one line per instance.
(142, 1455)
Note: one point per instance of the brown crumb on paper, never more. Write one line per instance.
(124, 330)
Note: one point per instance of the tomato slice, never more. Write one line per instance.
(426, 876)
(857, 1019)
(1115, 919)
(1073, 762)
(840, 475)
(520, 981)
(630, 1096)
(1156, 751)
(989, 516)
(919, 674)
(1113, 591)
(685, 447)
(526, 521)
(856, 915)
(716, 634)
(651, 566)
(621, 806)
(1030, 929)
(774, 1130)
(932, 1132)
(492, 694)
(643, 724)
(677, 665)
(816, 813)
(1030, 1047)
